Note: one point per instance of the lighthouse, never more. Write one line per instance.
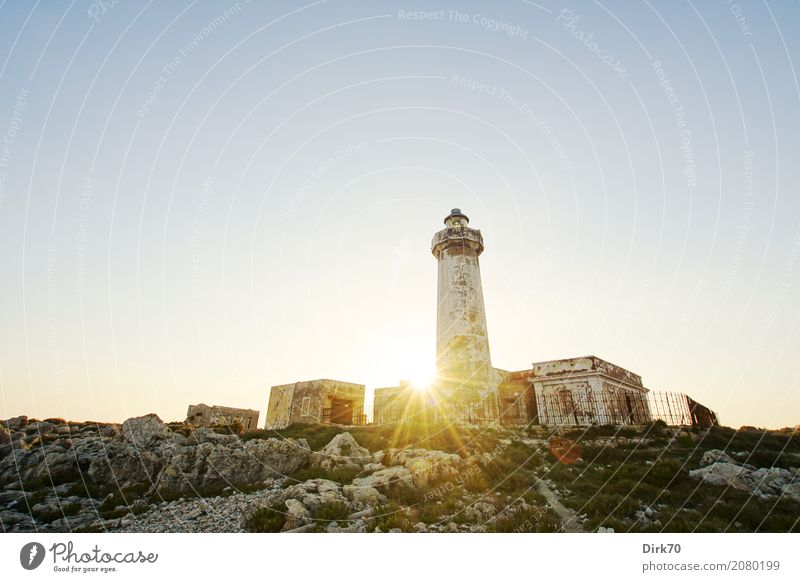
(463, 363)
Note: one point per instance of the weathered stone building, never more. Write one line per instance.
(204, 415)
(316, 402)
(402, 402)
(575, 391)
(468, 384)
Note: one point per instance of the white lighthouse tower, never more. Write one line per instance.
(463, 363)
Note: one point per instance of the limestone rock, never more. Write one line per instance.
(715, 456)
(342, 451)
(425, 466)
(120, 464)
(16, 423)
(111, 431)
(40, 428)
(363, 496)
(208, 466)
(317, 492)
(371, 468)
(387, 478)
(37, 466)
(5, 442)
(296, 515)
(144, 431)
(763, 483)
(206, 435)
(721, 474)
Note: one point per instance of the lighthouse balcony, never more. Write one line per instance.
(459, 236)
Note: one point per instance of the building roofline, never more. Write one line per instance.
(317, 380)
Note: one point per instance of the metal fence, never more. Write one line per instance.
(573, 408)
(354, 416)
(585, 407)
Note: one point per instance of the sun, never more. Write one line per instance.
(421, 376)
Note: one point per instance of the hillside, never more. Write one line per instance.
(145, 475)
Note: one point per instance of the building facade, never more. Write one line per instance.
(575, 392)
(466, 386)
(206, 416)
(469, 389)
(321, 401)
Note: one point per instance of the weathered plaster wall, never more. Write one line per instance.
(462, 342)
(204, 415)
(467, 389)
(310, 402)
(279, 408)
(585, 364)
(588, 390)
(390, 404)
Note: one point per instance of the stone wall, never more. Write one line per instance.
(315, 402)
(462, 343)
(279, 408)
(391, 404)
(583, 365)
(202, 415)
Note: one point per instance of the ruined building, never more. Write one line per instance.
(204, 415)
(468, 389)
(316, 402)
(575, 391)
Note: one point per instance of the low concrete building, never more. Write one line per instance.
(573, 392)
(204, 415)
(403, 403)
(316, 402)
(578, 391)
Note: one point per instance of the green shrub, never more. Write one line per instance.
(390, 516)
(267, 519)
(664, 471)
(436, 511)
(406, 494)
(343, 475)
(531, 520)
(332, 511)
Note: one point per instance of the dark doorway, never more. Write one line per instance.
(341, 411)
(531, 404)
(509, 411)
(629, 407)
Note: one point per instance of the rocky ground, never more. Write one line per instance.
(146, 476)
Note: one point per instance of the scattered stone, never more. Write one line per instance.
(384, 479)
(296, 515)
(16, 423)
(317, 492)
(144, 431)
(342, 451)
(362, 496)
(40, 428)
(715, 456)
(763, 483)
(425, 466)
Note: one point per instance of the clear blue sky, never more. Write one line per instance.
(199, 200)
